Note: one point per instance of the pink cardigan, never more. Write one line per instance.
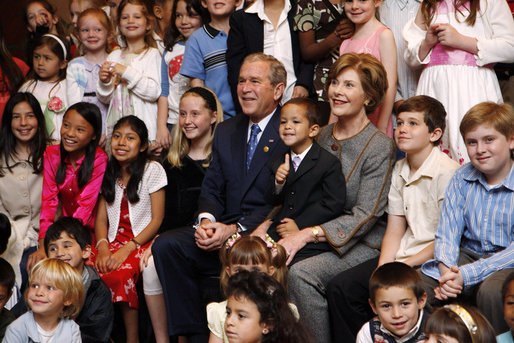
(75, 202)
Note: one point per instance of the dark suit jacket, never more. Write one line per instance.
(229, 192)
(246, 37)
(312, 195)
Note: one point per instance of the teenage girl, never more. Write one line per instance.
(22, 145)
(46, 81)
(54, 297)
(249, 253)
(40, 18)
(130, 78)
(73, 171)
(458, 42)
(257, 311)
(94, 33)
(186, 17)
(12, 72)
(188, 159)
(130, 212)
(373, 37)
(458, 324)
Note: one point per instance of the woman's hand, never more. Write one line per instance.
(294, 242)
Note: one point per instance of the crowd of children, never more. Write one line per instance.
(109, 126)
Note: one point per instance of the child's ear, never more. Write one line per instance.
(68, 302)
(511, 143)
(436, 134)
(271, 270)
(143, 147)
(314, 130)
(227, 270)
(204, 3)
(157, 12)
(266, 328)
(86, 252)
(422, 301)
(378, 3)
(214, 117)
(63, 64)
(372, 306)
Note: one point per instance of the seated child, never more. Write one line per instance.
(476, 229)
(70, 241)
(308, 182)
(397, 297)
(257, 311)
(6, 284)
(458, 324)
(508, 309)
(54, 297)
(418, 184)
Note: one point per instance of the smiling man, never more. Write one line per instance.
(231, 199)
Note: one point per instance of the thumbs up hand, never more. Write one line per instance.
(282, 171)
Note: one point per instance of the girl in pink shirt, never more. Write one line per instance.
(73, 171)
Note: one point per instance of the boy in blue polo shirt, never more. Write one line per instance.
(204, 58)
(474, 242)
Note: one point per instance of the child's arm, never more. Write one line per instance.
(195, 82)
(192, 63)
(101, 230)
(389, 60)
(105, 86)
(88, 196)
(396, 227)
(143, 75)
(74, 92)
(163, 137)
(313, 51)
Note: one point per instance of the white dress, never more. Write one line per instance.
(458, 79)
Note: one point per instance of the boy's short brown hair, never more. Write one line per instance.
(310, 108)
(499, 116)
(434, 114)
(395, 274)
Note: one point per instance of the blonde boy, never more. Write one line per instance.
(474, 249)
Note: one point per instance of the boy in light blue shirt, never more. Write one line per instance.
(474, 248)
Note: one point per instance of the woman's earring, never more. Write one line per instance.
(265, 331)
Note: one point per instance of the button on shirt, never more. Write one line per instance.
(277, 42)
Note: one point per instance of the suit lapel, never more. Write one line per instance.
(308, 162)
(264, 150)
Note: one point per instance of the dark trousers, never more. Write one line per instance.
(347, 296)
(184, 271)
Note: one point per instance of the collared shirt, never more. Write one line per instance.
(419, 199)
(394, 15)
(277, 42)
(262, 125)
(364, 335)
(479, 218)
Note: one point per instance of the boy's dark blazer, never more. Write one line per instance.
(312, 195)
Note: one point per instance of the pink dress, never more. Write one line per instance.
(368, 45)
(122, 281)
(75, 202)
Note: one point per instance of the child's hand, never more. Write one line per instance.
(287, 227)
(344, 29)
(282, 171)
(118, 69)
(102, 260)
(163, 137)
(448, 36)
(118, 258)
(431, 38)
(106, 72)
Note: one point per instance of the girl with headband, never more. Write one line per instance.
(458, 324)
(46, 81)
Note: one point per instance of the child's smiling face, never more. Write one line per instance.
(45, 299)
(397, 308)
(508, 305)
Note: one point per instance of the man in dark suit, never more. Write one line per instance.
(231, 200)
(268, 27)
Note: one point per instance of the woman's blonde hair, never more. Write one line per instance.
(252, 249)
(180, 146)
(64, 277)
(372, 74)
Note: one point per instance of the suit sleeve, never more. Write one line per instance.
(271, 196)
(212, 195)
